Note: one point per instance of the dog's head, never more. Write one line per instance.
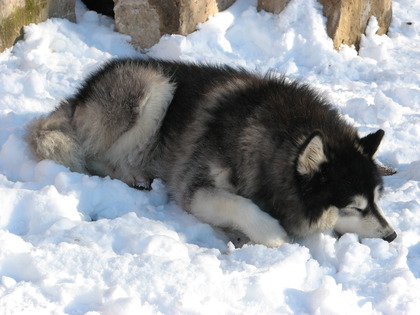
(344, 181)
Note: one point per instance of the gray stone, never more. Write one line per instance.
(273, 6)
(62, 9)
(147, 20)
(347, 19)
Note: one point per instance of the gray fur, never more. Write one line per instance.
(235, 149)
(53, 137)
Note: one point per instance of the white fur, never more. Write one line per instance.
(221, 208)
(153, 110)
(220, 176)
(363, 226)
(359, 202)
(312, 157)
(352, 220)
(326, 222)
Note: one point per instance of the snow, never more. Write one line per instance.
(77, 244)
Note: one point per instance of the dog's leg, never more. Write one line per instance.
(221, 208)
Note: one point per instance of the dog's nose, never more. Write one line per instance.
(390, 237)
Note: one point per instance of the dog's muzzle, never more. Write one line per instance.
(390, 237)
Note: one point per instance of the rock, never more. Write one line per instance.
(348, 19)
(62, 9)
(147, 20)
(273, 6)
(14, 14)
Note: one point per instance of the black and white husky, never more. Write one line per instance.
(255, 153)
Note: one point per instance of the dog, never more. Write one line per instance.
(260, 154)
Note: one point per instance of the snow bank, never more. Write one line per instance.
(77, 244)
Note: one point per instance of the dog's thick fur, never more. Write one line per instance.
(235, 149)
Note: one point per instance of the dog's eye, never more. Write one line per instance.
(358, 209)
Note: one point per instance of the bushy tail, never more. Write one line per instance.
(53, 137)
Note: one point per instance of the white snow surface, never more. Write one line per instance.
(77, 244)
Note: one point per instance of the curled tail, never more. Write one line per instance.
(111, 126)
(53, 137)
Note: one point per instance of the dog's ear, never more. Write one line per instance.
(371, 142)
(312, 154)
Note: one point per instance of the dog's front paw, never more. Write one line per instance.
(267, 231)
(273, 236)
(141, 182)
(143, 185)
(275, 242)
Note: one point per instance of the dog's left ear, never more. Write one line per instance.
(312, 154)
(371, 142)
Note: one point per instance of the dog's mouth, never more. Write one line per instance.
(388, 238)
